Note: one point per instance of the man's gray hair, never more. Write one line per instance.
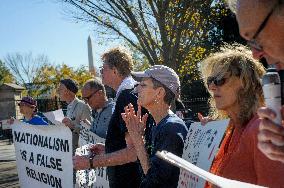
(232, 4)
(95, 84)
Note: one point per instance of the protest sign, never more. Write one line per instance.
(5, 125)
(43, 155)
(88, 137)
(201, 145)
(212, 178)
(86, 178)
(55, 117)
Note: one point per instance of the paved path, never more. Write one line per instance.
(8, 171)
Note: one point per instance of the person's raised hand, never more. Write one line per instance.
(134, 122)
(203, 119)
(97, 149)
(68, 122)
(80, 162)
(271, 135)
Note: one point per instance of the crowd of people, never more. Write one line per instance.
(139, 121)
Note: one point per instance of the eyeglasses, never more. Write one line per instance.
(86, 99)
(253, 42)
(102, 68)
(143, 85)
(217, 81)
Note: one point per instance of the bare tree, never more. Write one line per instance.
(170, 32)
(24, 67)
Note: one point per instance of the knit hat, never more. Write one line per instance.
(29, 101)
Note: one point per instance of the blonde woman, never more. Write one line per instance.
(233, 79)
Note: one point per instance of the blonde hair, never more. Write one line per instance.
(120, 58)
(236, 60)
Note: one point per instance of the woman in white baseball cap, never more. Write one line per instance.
(159, 86)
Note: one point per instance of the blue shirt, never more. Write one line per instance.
(36, 120)
(169, 134)
(101, 119)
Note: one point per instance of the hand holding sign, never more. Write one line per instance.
(97, 149)
(203, 119)
(55, 117)
(81, 162)
(84, 178)
(91, 144)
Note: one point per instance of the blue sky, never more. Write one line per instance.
(41, 27)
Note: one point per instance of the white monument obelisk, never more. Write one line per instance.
(90, 56)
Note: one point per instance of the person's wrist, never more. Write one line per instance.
(139, 142)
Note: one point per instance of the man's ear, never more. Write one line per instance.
(100, 92)
(115, 71)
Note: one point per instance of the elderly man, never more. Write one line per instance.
(94, 93)
(77, 110)
(118, 153)
(261, 23)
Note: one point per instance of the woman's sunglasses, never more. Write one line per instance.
(216, 81)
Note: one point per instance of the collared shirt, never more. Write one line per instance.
(101, 118)
(77, 110)
(70, 106)
(127, 83)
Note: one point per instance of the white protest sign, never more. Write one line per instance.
(55, 117)
(85, 178)
(5, 125)
(88, 137)
(216, 180)
(44, 155)
(201, 145)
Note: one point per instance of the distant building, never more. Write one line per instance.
(9, 95)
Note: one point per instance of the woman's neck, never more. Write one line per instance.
(159, 112)
(234, 116)
(28, 116)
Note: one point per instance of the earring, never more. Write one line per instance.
(156, 101)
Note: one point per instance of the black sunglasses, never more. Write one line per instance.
(253, 42)
(86, 99)
(217, 81)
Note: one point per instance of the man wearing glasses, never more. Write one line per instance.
(94, 94)
(261, 23)
(118, 154)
